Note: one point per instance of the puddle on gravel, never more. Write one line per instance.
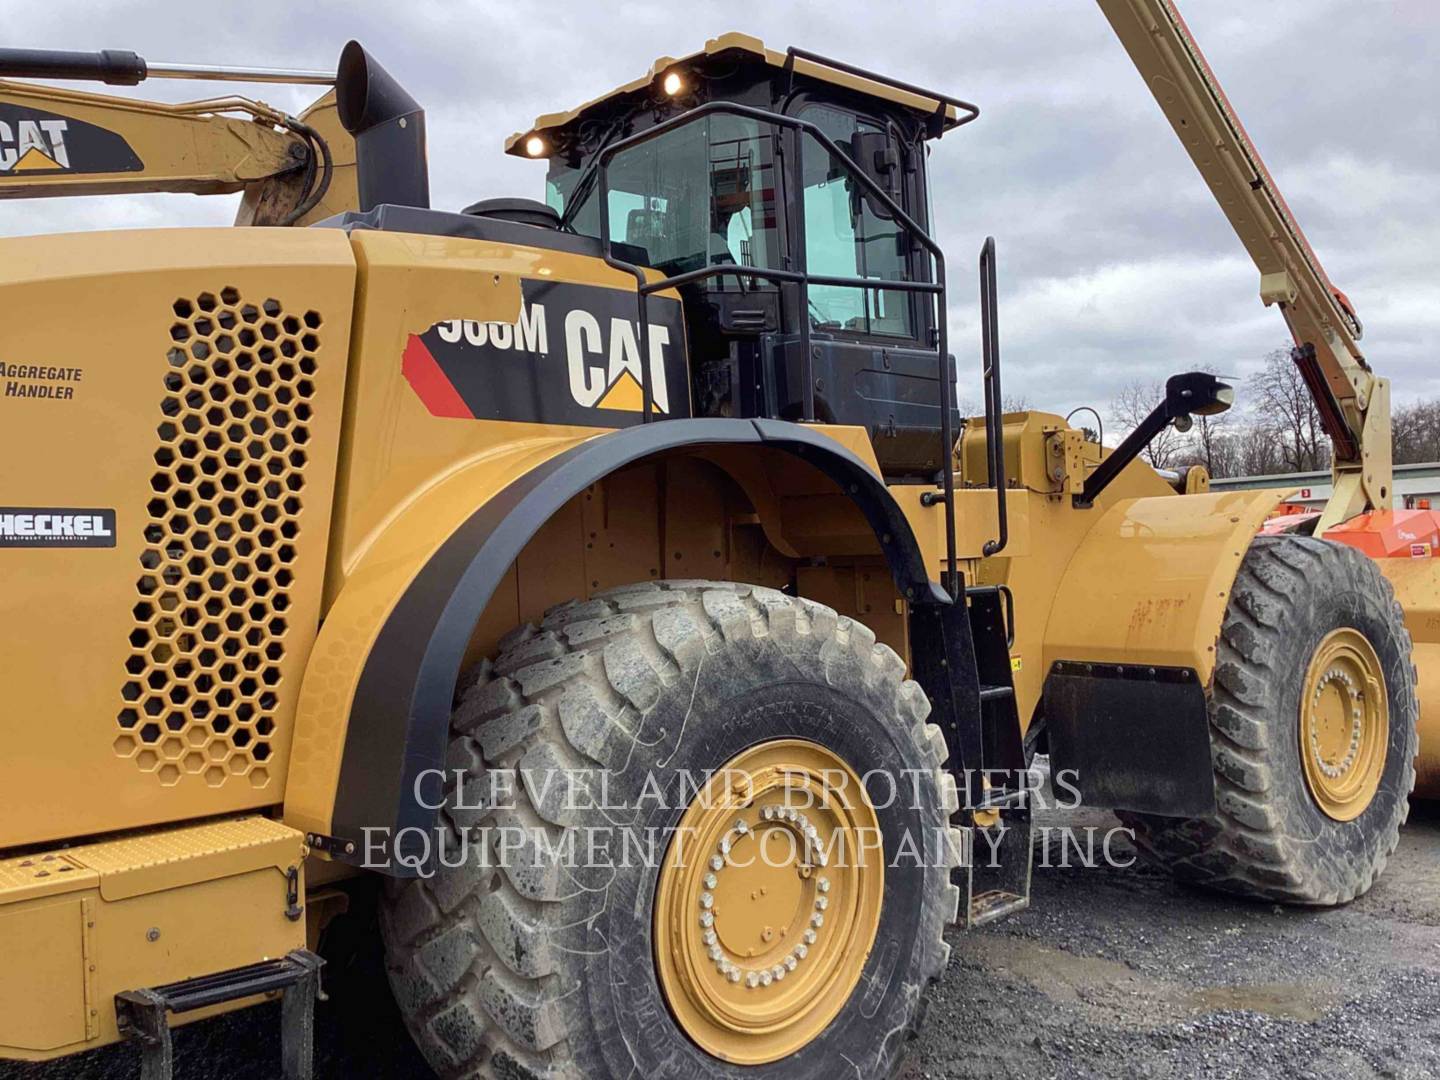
(1111, 986)
(1284, 1001)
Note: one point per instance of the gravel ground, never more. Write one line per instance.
(1122, 973)
(1113, 973)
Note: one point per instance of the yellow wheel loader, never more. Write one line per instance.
(614, 580)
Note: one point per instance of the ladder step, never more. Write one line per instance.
(143, 1015)
(996, 693)
(989, 906)
(996, 879)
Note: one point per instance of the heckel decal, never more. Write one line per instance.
(39, 142)
(53, 526)
(573, 357)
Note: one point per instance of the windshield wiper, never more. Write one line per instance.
(587, 176)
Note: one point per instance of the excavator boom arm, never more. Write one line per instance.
(1353, 402)
(65, 142)
(56, 141)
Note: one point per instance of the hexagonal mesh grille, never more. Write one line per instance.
(202, 681)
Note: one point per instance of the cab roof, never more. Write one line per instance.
(738, 46)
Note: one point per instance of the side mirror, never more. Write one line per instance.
(1196, 393)
(876, 157)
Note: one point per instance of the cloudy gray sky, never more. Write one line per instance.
(1115, 264)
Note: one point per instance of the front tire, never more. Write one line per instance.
(1312, 730)
(519, 962)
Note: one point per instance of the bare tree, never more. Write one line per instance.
(1416, 432)
(1259, 452)
(1221, 450)
(1132, 405)
(1288, 414)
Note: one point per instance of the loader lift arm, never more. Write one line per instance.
(1353, 402)
(55, 141)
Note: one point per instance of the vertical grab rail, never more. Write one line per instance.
(994, 429)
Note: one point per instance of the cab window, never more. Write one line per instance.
(848, 235)
(708, 194)
(701, 195)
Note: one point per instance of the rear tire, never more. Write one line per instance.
(1271, 838)
(515, 964)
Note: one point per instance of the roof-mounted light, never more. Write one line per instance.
(673, 83)
(535, 146)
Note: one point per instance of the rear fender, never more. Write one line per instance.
(375, 706)
(1130, 648)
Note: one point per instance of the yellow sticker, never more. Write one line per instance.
(1014, 663)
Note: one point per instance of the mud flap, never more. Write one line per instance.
(1131, 737)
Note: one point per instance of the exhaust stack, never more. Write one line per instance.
(389, 129)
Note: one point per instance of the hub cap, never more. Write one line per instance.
(1344, 724)
(768, 901)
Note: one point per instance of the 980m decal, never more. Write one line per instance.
(573, 357)
(33, 141)
(51, 526)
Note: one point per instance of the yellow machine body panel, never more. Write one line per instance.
(1417, 590)
(1045, 459)
(170, 408)
(423, 448)
(404, 428)
(79, 925)
(374, 584)
(1150, 582)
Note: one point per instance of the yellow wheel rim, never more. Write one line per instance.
(768, 901)
(1344, 724)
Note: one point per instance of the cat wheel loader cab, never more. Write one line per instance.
(612, 580)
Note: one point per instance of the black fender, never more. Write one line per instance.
(402, 703)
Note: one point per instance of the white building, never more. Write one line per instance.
(1413, 485)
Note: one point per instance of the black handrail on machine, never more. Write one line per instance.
(645, 286)
(994, 428)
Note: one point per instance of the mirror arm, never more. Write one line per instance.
(1122, 455)
(1185, 394)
